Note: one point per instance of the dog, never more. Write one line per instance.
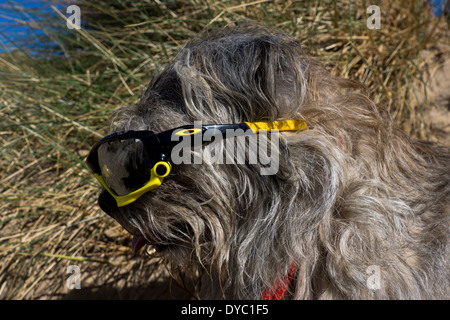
(356, 209)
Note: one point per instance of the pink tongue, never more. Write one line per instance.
(138, 242)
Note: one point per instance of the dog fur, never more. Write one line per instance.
(351, 193)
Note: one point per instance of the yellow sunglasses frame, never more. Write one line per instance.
(155, 181)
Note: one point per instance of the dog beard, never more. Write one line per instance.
(351, 193)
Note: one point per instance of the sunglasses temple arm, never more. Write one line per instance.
(282, 125)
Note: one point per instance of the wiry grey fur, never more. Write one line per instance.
(351, 193)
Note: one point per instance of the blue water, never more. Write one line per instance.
(24, 25)
(437, 6)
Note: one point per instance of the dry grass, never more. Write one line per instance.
(54, 107)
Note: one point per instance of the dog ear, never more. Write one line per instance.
(167, 87)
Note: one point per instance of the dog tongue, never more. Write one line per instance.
(138, 242)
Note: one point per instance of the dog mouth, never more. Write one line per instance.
(139, 241)
(179, 233)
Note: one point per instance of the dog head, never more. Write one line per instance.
(228, 218)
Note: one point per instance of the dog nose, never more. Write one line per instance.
(106, 202)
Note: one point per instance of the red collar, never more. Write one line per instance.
(281, 287)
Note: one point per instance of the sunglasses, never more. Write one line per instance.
(131, 163)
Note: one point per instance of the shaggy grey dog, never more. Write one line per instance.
(360, 209)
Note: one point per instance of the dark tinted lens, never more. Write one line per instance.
(125, 165)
